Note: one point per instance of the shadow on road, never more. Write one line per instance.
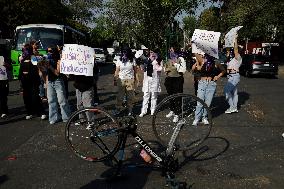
(3, 178)
(211, 148)
(220, 105)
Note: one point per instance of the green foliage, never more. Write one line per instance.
(145, 21)
(210, 19)
(19, 12)
(262, 19)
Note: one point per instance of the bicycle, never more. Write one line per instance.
(100, 139)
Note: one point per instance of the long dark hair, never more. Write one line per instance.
(126, 54)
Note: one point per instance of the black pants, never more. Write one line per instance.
(4, 91)
(31, 98)
(174, 85)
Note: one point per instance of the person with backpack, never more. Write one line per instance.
(151, 82)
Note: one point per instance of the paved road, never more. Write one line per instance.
(244, 150)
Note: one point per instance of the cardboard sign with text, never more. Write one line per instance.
(206, 42)
(77, 60)
(231, 36)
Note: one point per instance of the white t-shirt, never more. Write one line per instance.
(235, 63)
(3, 73)
(126, 69)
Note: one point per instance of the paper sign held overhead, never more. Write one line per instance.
(206, 42)
(231, 36)
(77, 60)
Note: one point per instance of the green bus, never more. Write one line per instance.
(45, 35)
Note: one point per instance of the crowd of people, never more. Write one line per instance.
(40, 80)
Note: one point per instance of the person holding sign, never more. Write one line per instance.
(210, 72)
(234, 61)
(56, 93)
(125, 77)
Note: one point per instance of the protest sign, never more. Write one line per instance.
(206, 42)
(77, 60)
(231, 35)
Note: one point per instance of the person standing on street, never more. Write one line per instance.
(125, 77)
(4, 88)
(56, 93)
(231, 92)
(30, 81)
(151, 82)
(174, 83)
(210, 72)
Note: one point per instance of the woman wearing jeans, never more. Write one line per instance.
(230, 89)
(210, 72)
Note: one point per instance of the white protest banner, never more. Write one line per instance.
(206, 41)
(195, 49)
(77, 60)
(231, 35)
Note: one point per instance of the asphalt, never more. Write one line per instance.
(244, 150)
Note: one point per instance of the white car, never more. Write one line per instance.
(100, 56)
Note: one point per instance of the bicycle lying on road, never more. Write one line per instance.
(104, 138)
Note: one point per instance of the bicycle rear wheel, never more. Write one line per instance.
(183, 105)
(95, 140)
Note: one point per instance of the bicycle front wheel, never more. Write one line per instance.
(178, 110)
(95, 140)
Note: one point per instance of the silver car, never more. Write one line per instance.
(100, 56)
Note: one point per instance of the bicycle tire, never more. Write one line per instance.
(97, 143)
(189, 136)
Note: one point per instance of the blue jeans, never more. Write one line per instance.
(206, 91)
(56, 95)
(231, 91)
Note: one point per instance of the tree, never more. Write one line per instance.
(210, 19)
(262, 19)
(20, 12)
(146, 21)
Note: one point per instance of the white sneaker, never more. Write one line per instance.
(228, 111)
(175, 118)
(29, 117)
(142, 114)
(205, 121)
(43, 117)
(195, 122)
(152, 113)
(4, 115)
(170, 114)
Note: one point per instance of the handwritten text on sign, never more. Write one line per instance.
(231, 36)
(206, 41)
(77, 60)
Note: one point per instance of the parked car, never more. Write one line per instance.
(254, 64)
(100, 56)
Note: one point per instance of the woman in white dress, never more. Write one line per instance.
(151, 82)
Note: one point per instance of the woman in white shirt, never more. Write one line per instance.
(125, 79)
(151, 82)
(230, 89)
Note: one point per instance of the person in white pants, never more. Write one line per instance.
(151, 82)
